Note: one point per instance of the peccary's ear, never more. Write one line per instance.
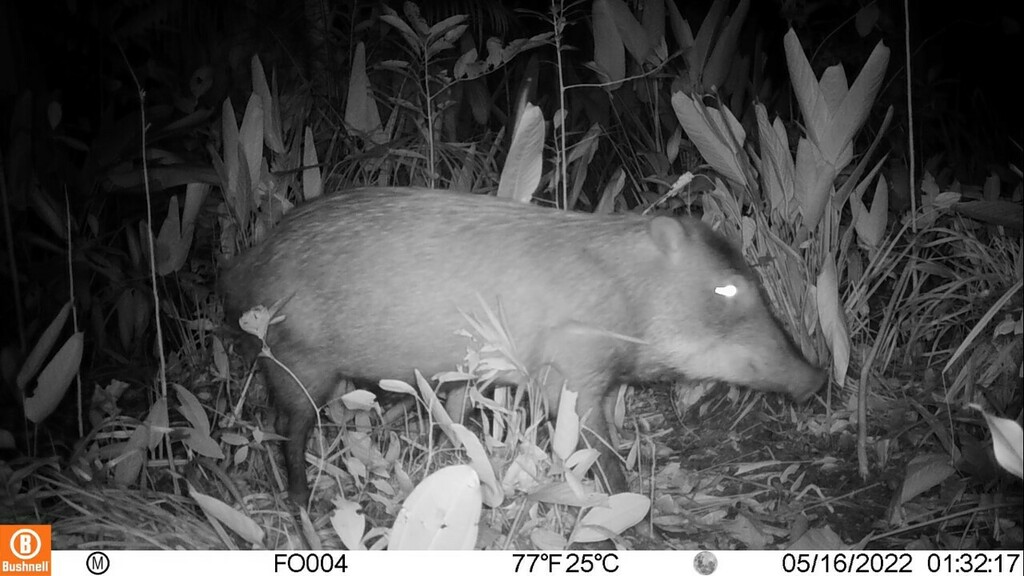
(669, 235)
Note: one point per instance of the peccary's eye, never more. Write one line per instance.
(728, 290)
(731, 288)
(726, 304)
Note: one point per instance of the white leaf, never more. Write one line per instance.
(442, 513)
(349, 522)
(312, 181)
(1008, 443)
(830, 315)
(55, 379)
(361, 114)
(238, 522)
(621, 511)
(523, 165)
(43, 347)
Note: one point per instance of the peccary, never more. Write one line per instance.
(377, 280)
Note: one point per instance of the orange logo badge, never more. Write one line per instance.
(25, 549)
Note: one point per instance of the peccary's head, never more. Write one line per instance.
(715, 322)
